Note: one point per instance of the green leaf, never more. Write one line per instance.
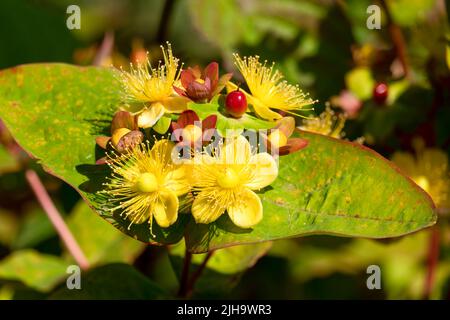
(98, 240)
(331, 187)
(409, 12)
(217, 20)
(38, 271)
(35, 228)
(114, 281)
(55, 112)
(224, 123)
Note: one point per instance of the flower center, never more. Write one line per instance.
(147, 182)
(423, 183)
(200, 80)
(191, 133)
(277, 139)
(229, 179)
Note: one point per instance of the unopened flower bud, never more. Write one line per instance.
(130, 140)
(117, 135)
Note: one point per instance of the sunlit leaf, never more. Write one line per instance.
(330, 187)
(55, 112)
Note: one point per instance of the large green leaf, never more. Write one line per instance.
(112, 282)
(55, 111)
(38, 271)
(331, 187)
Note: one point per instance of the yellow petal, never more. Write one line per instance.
(175, 104)
(150, 116)
(162, 151)
(260, 109)
(247, 210)
(235, 151)
(263, 111)
(177, 180)
(264, 171)
(205, 209)
(165, 209)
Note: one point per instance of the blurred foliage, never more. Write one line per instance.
(224, 267)
(112, 282)
(323, 45)
(106, 244)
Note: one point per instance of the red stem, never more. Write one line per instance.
(56, 219)
(105, 49)
(397, 39)
(184, 281)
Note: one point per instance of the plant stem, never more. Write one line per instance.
(397, 39)
(56, 219)
(105, 49)
(198, 272)
(184, 281)
(164, 22)
(433, 257)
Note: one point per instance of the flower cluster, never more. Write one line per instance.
(163, 153)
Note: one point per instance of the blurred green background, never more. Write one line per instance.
(325, 47)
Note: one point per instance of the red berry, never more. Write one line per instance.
(380, 93)
(236, 103)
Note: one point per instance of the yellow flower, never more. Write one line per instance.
(269, 90)
(146, 184)
(328, 123)
(430, 170)
(154, 87)
(225, 181)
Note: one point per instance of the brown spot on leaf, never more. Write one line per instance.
(14, 104)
